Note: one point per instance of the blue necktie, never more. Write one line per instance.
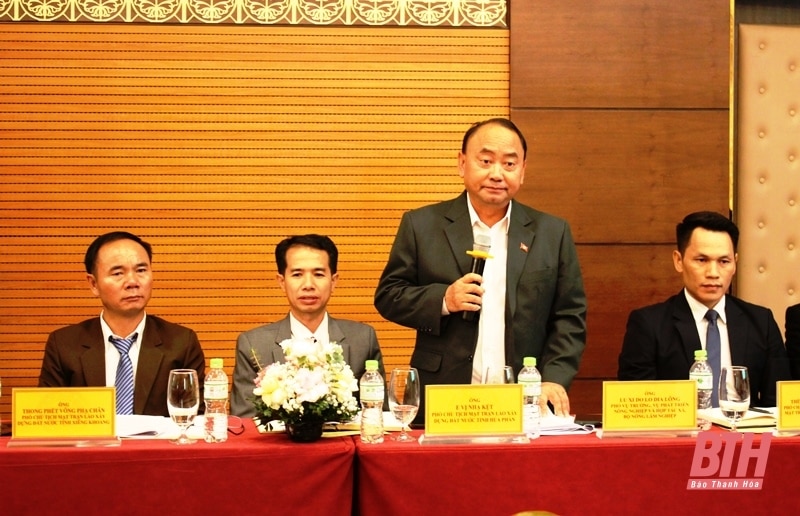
(124, 379)
(713, 344)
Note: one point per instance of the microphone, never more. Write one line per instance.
(479, 253)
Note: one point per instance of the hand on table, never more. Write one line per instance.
(557, 396)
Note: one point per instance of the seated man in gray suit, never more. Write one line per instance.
(307, 274)
(661, 339)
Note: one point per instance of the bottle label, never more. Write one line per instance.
(215, 390)
(704, 380)
(371, 393)
(530, 388)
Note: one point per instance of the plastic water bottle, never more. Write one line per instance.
(215, 393)
(701, 373)
(371, 392)
(531, 382)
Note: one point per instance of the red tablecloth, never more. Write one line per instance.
(566, 475)
(249, 473)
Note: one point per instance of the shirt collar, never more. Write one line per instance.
(300, 331)
(699, 309)
(476, 221)
(108, 333)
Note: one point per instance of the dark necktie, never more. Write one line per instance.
(713, 344)
(124, 379)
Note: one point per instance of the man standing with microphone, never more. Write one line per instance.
(530, 295)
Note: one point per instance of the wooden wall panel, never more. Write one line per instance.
(626, 107)
(214, 143)
(624, 176)
(618, 279)
(620, 54)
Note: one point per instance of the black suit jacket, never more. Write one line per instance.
(660, 341)
(74, 356)
(545, 300)
(793, 339)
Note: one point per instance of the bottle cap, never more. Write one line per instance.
(216, 363)
(700, 353)
(529, 361)
(371, 365)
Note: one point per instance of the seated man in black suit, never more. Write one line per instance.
(793, 339)
(661, 339)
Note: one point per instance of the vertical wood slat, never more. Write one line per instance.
(214, 143)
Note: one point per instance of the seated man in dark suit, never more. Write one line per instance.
(307, 274)
(661, 339)
(793, 339)
(123, 347)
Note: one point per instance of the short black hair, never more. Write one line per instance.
(504, 122)
(314, 241)
(90, 260)
(708, 220)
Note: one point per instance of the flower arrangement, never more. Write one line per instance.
(313, 384)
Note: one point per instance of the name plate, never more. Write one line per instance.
(645, 406)
(63, 412)
(788, 406)
(473, 409)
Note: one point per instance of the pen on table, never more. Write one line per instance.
(763, 411)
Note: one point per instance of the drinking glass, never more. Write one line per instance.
(734, 393)
(504, 374)
(404, 391)
(183, 399)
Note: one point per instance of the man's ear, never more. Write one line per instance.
(92, 284)
(677, 260)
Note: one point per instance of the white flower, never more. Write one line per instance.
(313, 379)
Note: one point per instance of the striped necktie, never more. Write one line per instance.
(713, 344)
(124, 379)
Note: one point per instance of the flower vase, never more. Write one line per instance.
(305, 431)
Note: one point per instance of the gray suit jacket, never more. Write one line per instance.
(74, 356)
(660, 341)
(545, 300)
(359, 344)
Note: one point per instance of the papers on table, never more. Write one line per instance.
(154, 427)
(552, 424)
(753, 419)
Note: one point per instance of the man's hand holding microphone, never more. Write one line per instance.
(465, 294)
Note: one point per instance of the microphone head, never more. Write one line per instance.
(483, 243)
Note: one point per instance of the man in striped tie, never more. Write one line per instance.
(661, 339)
(123, 347)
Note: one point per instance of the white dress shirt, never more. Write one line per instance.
(112, 353)
(491, 348)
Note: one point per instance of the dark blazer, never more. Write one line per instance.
(359, 344)
(661, 339)
(545, 299)
(74, 356)
(793, 339)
